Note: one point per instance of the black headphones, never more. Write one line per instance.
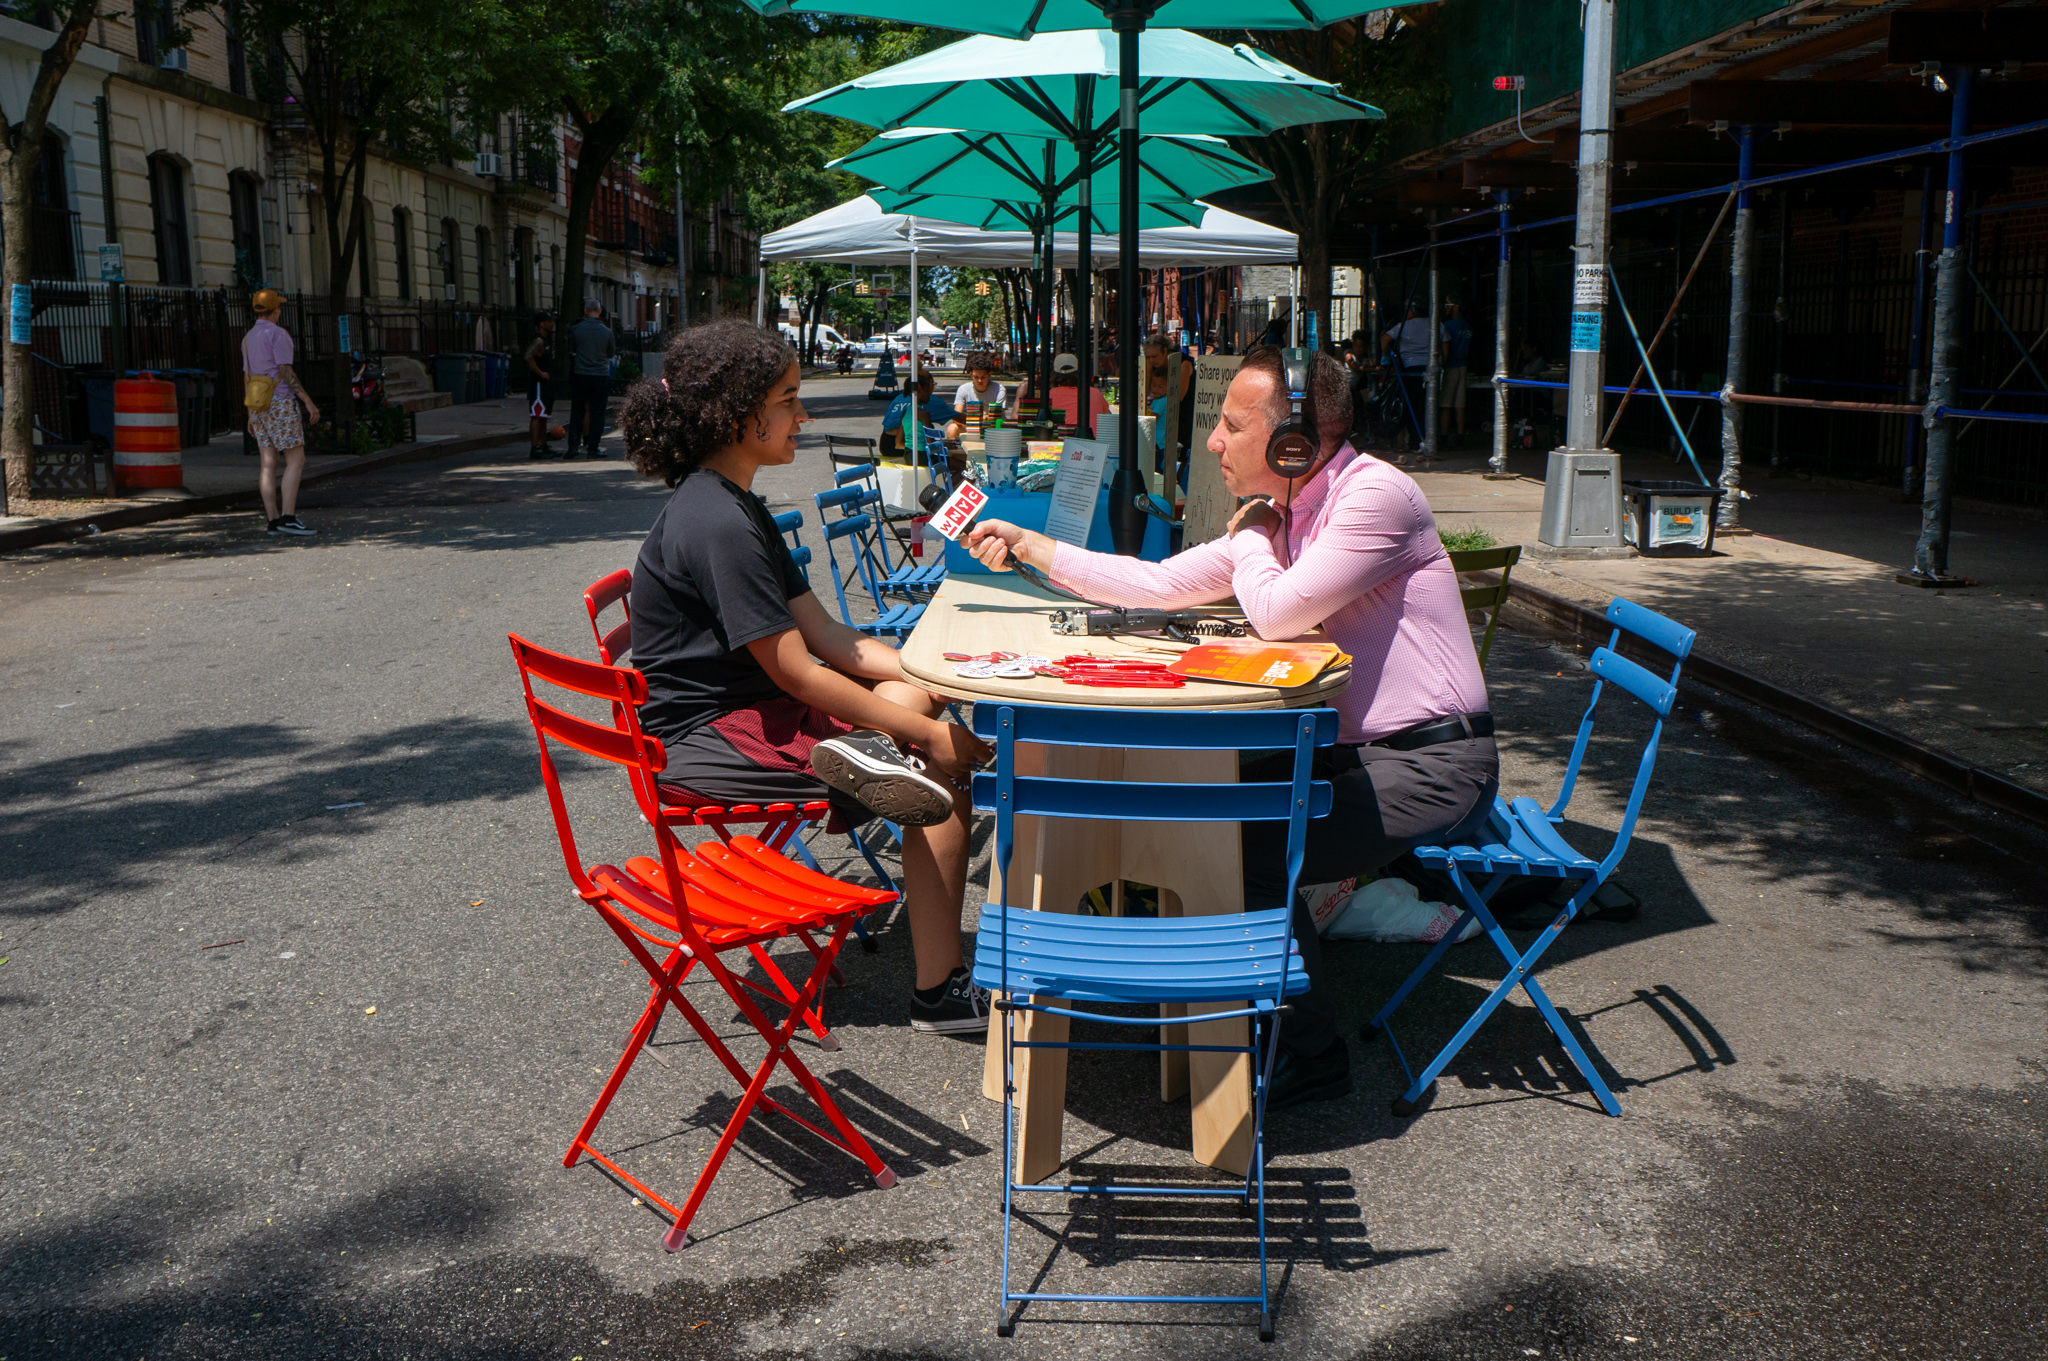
(1295, 445)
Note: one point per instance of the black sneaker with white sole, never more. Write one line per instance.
(870, 767)
(960, 1009)
(292, 524)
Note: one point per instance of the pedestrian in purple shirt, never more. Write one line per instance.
(267, 353)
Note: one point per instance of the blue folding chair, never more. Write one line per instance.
(788, 523)
(1521, 838)
(910, 580)
(1046, 962)
(893, 619)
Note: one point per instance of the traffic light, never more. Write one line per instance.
(860, 289)
(981, 289)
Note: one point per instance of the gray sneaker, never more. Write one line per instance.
(870, 767)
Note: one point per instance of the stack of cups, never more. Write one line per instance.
(1003, 447)
(1107, 430)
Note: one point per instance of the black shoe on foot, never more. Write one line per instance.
(955, 1007)
(868, 766)
(292, 524)
(270, 527)
(1299, 1081)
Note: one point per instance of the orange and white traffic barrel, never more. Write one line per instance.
(147, 439)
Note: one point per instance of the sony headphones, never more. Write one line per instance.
(1295, 445)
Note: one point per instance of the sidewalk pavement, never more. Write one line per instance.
(219, 472)
(1807, 601)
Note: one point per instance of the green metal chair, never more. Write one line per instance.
(1491, 597)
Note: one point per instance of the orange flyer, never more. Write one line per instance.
(1280, 665)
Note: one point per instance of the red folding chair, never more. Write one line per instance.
(692, 906)
(780, 823)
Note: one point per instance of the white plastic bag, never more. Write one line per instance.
(1390, 910)
(1325, 901)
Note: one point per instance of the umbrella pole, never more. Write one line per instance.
(1084, 294)
(1126, 519)
(914, 420)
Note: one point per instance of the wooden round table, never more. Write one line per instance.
(1197, 867)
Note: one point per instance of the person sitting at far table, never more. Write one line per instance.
(1349, 545)
(980, 390)
(938, 411)
(756, 694)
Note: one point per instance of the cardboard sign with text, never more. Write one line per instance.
(1210, 504)
(959, 511)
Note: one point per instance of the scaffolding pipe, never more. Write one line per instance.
(1916, 367)
(1781, 313)
(1816, 404)
(1432, 374)
(1499, 460)
(1930, 555)
(1670, 315)
(1945, 146)
(1729, 513)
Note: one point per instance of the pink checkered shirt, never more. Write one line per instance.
(1366, 563)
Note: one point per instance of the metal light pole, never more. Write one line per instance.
(1432, 372)
(1084, 294)
(1582, 484)
(1741, 250)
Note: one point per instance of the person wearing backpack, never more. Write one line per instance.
(273, 395)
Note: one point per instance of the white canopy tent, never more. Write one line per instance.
(859, 232)
(925, 327)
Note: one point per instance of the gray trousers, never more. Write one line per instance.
(1385, 802)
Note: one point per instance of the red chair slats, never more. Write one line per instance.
(675, 911)
(779, 823)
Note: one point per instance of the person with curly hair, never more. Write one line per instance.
(757, 694)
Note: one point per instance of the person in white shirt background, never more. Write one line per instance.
(979, 389)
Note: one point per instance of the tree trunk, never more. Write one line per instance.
(341, 250)
(600, 140)
(17, 422)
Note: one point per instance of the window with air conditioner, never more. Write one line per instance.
(490, 163)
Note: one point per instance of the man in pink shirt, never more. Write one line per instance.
(1350, 546)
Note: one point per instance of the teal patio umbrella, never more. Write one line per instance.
(1003, 181)
(996, 165)
(1065, 84)
(1068, 85)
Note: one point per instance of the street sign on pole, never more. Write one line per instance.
(111, 268)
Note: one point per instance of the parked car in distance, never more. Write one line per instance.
(829, 340)
(873, 346)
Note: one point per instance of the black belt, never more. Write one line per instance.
(1436, 730)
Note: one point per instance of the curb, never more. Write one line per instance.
(1949, 771)
(151, 512)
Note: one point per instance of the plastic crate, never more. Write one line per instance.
(1671, 519)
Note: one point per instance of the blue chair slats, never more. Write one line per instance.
(789, 522)
(910, 580)
(893, 619)
(859, 492)
(1049, 962)
(1521, 838)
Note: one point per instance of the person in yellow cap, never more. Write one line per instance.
(274, 414)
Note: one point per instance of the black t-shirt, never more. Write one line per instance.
(713, 575)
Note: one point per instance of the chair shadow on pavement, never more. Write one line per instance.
(910, 1142)
(1514, 1055)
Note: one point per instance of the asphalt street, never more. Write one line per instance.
(301, 1014)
